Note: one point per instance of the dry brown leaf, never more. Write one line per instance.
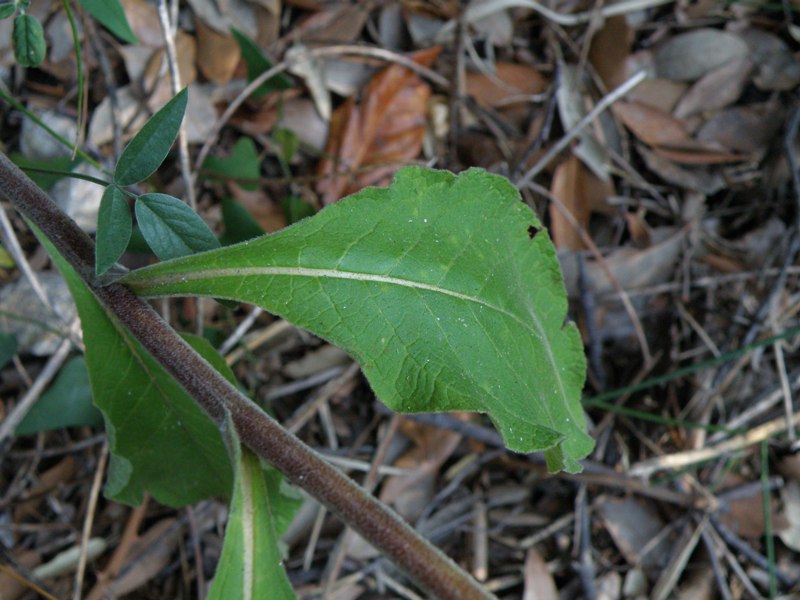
(697, 153)
(609, 51)
(698, 179)
(143, 19)
(580, 192)
(691, 55)
(385, 127)
(148, 556)
(651, 125)
(539, 582)
(633, 525)
(745, 129)
(716, 89)
(338, 23)
(777, 67)
(12, 587)
(409, 494)
(511, 82)
(61, 472)
(217, 53)
(658, 93)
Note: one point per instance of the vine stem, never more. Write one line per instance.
(376, 522)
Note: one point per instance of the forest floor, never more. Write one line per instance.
(674, 211)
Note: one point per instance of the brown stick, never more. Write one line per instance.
(425, 563)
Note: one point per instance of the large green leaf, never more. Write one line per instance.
(250, 565)
(444, 288)
(148, 149)
(112, 16)
(160, 440)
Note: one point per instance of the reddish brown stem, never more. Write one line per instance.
(425, 563)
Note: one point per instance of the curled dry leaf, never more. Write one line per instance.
(383, 129)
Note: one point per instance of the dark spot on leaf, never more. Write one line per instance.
(532, 231)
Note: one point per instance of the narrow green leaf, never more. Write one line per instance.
(171, 228)
(8, 346)
(114, 229)
(251, 564)
(111, 15)
(29, 44)
(66, 403)
(242, 163)
(7, 9)
(258, 63)
(160, 440)
(148, 149)
(446, 290)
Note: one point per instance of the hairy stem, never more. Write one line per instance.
(426, 564)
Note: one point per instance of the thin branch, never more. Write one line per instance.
(426, 564)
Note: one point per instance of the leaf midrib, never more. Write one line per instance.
(154, 281)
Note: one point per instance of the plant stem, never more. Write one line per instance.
(425, 563)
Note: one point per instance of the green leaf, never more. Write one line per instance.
(288, 141)
(66, 403)
(7, 9)
(257, 63)
(160, 440)
(436, 287)
(111, 15)
(243, 163)
(171, 228)
(250, 565)
(8, 346)
(29, 44)
(114, 229)
(148, 149)
(239, 224)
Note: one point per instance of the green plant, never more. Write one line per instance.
(445, 288)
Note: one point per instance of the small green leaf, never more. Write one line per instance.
(250, 565)
(114, 228)
(296, 208)
(435, 286)
(289, 143)
(148, 149)
(171, 228)
(160, 440)
(29, 44)
(239, 224)
(243, 163)
(66, 403)
(111, 15)
(7, 9)
(8, 347)
(257, 63)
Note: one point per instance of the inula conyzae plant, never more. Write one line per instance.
(445, 288)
